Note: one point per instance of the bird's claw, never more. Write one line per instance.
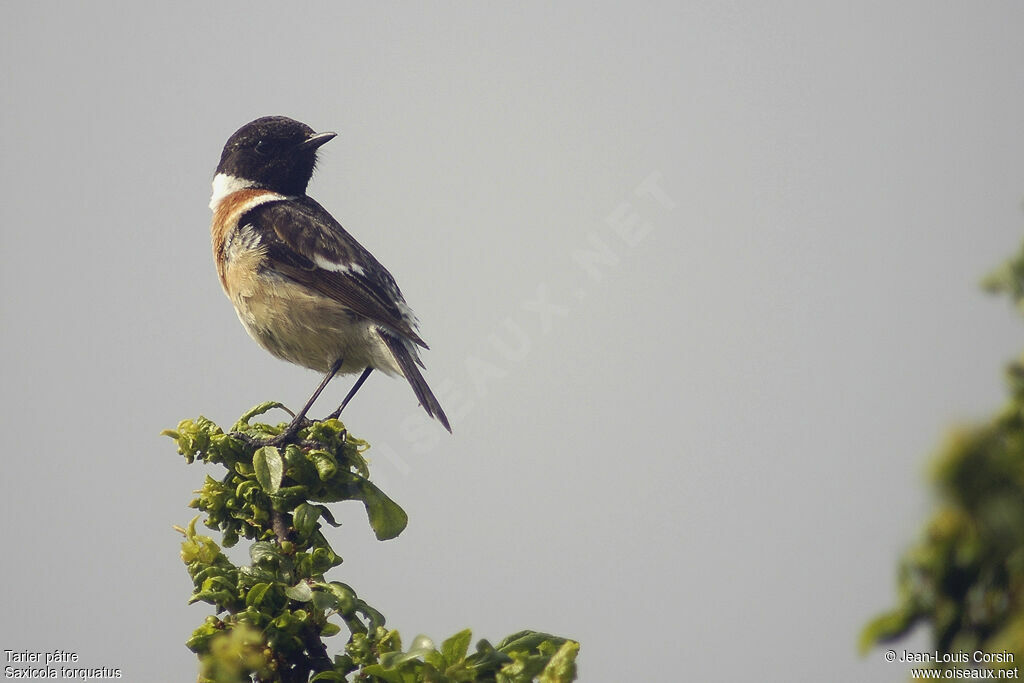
(285, 437)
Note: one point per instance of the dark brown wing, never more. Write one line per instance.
(307, 245)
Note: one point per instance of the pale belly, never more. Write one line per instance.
(308, 329)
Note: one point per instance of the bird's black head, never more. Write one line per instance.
(274, 152)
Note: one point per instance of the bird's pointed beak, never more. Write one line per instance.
(316, 140)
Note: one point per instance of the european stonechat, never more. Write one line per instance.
(303, 287)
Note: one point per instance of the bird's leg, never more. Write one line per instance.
(297, 421)
(300, 419)
(351, 393)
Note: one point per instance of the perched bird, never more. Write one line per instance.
(303, 288)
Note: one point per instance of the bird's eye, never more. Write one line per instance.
(263, 148)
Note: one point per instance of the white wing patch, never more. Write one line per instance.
(327, 264)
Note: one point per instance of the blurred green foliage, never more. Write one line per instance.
(271, 616)
(965, 577)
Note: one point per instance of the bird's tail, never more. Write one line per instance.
(407, 361)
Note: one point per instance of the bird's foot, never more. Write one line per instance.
(285, 437)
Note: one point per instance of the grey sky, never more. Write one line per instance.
(695, 441)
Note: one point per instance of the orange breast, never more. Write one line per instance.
(225, 222)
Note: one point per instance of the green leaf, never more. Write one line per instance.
(394, 660)
(389, 675)
(264, 551)
(387, 519)
(257, 410)
(325, 464)
(245, 487)
(455, 648)
(344, 595)
(256, 594)
(287, 496)
(884, 627)
(304, 519)
(324, 599)
(323, 559)
(330, 629)
(325, 514)
(375, 618)
(269, 468)
(300, 592)
(561, 667)
(525, 641)
(421, 643)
